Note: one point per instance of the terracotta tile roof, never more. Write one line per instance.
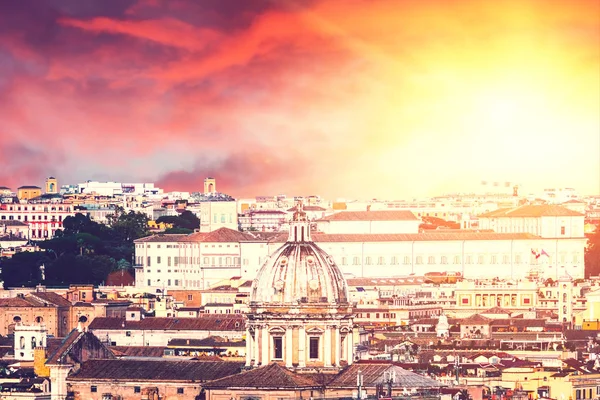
(19, 302)
(58, 356)
(155, 370)
(376, 373)
(425, 236)
(218, 235)
(272, 376)
(532, 210)
(138, 351)
(224, 235)
(385, 215)
(205, 322)
(475, 319)
(51, 298)
(496, 310)
(162, 238)
(12, 223)
(121, 277)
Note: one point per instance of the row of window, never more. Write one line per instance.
(223, 218)
(33, 218)
(38, 208)
(183, 246)
(228, 261)
(469, 259)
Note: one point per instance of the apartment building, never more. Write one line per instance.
(43, 219)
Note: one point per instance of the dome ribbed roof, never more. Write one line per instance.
(299, 273)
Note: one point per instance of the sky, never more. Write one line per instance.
(340, 98)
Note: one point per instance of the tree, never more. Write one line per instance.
(23, 268)
(592, 254)
(187, 220)
(128, 226)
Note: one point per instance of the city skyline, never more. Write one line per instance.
(338, 98)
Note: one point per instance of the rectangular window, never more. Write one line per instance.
(406, 260)
(93, 389)
(168, 282)
(431, 260)
(169, 261)
(355, 261)
(394, 260)
(137, 389)
(277, 347)
(149, 284)
(494, 259)
(314, 348)
(176, 282)
(179, 390)
(148, 259)
(368, 260)
(562, 230)
(518, 259)
(480, 259)
(190, 297)
(380, 261)
(158, 260)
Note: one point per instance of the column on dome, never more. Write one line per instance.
(289, 346)
(350, 346)
(257, 333)
(327, 347)
(265, 359)
(301, 347)
(295, 341)
(248, 347)
(337, 346)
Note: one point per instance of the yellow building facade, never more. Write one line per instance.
(28, 192)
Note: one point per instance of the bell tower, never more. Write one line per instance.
(210, 185)
(51, 185)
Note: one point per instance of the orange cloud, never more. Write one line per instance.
(412, 97)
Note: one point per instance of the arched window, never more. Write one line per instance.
(33, 343)
(22, 342)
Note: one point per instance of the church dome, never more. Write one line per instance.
(299, 273)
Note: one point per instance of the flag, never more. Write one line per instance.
(543, 253)
(535, 253)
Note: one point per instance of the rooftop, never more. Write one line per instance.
(272, 376)
(155, 370)
(384, 215)
(532, 210)
(205, 322)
